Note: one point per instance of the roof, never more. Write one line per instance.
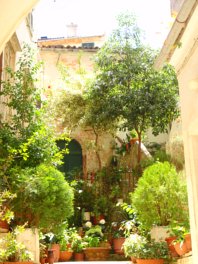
(72, 42)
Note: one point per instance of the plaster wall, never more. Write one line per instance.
(12, 13)
(52, 57)
(186, 62)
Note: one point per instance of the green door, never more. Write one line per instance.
(72, 162)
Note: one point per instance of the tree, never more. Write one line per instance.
(25, 138)
(128, 87)
(29, 153)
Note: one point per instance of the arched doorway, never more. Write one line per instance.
(72, 162)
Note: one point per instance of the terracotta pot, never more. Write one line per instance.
(117, 245)
(150, 261)
(171, 247)
(42, 260)
(4, 226)
(181, 248)
(96, 253)
(188, 242)
(96, 219)
(133, 140)
(133, 260)
(79, 256)
(50, 256)
(56, 248)
(65, 255)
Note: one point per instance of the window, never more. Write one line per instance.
(88, 45)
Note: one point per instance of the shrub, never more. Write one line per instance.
(160, 197)
(44, 198)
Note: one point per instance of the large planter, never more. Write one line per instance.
(171, 247)
(159, 233)
(65, 255)
(96, 253)
(150, 261)
(117, 245)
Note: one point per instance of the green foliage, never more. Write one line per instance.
(78, 243)
(12, 250)
(132, 93)
(5, 200)
(94, 236)
(139, 247)
(26, 140)
(92, 241)
(44, 198)
(153, 198)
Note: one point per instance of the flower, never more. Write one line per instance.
(88, 224)
(102, 222)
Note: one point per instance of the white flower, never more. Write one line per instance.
(88, 224)
(102, 222)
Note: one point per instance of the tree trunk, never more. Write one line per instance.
(139, 148)
(97, 152)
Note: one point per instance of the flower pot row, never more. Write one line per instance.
(56, 255)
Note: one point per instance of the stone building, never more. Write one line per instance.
(74, 54)
(181, 50)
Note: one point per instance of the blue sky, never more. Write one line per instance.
(99, 17)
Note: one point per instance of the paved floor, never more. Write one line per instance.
(95, 262)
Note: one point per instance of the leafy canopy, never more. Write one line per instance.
(127, 89)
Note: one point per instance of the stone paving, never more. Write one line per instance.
(95, 262)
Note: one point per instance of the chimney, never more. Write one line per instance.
(72, 30)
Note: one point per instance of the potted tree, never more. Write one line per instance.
(160, 198)
(145, 251)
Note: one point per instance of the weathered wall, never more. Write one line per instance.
(52, 57)
(86, 138)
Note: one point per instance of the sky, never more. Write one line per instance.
(99, 17)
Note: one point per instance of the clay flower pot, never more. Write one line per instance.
(65, 255)
(79, 256)
(171, 247)
(181, 248)
(117, 245)
(150, 261)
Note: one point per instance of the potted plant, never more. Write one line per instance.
(13, 251)
(77, 247)
(65, 241)
(160, 198)
(51, 241)
(145, 251)
(123, 229)
(182, 239)
(96, 247)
